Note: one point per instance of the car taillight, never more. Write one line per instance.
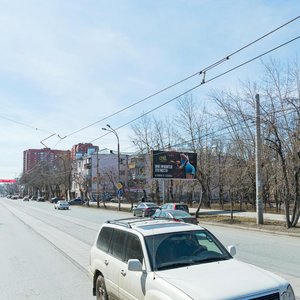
(176, 220)
(147, 209)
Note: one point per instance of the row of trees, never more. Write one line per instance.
(223, 136)
(49, 179)
(224, 139)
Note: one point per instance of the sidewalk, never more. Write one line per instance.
(238, 215)
(267, 216)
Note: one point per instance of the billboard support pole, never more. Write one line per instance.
(163, 188)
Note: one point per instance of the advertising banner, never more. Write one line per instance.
(173, 164)
(8, 180)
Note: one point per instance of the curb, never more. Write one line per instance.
(292, 234)
(127, 209)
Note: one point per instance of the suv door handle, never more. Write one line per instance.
(106, 262)
(123, 273)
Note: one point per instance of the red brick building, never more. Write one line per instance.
(32, 157)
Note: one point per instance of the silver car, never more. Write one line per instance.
(61, 205)
(145, 209)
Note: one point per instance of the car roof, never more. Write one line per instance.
(148, 226)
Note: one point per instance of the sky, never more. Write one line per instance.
(67, 65)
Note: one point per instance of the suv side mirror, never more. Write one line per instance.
(232, 250)
(134, 265)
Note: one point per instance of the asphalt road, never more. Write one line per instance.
(45, 252)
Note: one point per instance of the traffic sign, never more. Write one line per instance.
(120, 192)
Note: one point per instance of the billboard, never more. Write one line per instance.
(173, 164)
(8, 180)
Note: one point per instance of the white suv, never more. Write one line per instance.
(164, 260)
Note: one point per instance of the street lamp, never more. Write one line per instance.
(110, 129)
(98, 177)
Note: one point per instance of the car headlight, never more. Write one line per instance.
(288, 294)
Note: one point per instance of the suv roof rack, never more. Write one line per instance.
(167, 219)
(128, 221)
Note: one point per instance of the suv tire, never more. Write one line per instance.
(101, 293)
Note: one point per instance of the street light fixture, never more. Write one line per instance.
(119, 173)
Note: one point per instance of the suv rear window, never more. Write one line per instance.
(104, 238)
(118, 242)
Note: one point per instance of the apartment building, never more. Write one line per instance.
(34, 157)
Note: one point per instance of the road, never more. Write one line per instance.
(45, 252)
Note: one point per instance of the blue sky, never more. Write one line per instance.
(66, 64)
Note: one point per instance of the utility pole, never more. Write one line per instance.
(259, 185)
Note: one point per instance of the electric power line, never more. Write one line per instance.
(203, 71)
(202, 83)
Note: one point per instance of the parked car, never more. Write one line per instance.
(26, 198)
(106, 196)
(145, 209)
(180, 206)
(159, 259)
(33, 198)
(175, 215)
(76, 201)
(61, 204)
(56, 199)
(40, 199)
(14, 197)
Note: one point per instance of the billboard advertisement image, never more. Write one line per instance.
(173, 164)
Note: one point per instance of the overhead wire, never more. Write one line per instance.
(191, 89)
(165, 103)
(24, 124)
(168, 87)
(198, 85)
(203, 71)
(220, 132)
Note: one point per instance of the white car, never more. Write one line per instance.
(61, 205)
(164, 260)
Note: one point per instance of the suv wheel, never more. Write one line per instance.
(101, 289)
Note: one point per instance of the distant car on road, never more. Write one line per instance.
(179, 206)
(175, 215)
(76, 201)
(145, 209)
(62, 204)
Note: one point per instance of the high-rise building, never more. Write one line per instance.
(82, 149)
(33, 157)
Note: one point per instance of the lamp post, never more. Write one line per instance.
(98, 177)
(110, 129)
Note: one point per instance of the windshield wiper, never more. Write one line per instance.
(175, 265)
(210, 259)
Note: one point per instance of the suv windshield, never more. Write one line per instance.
(177, 249)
